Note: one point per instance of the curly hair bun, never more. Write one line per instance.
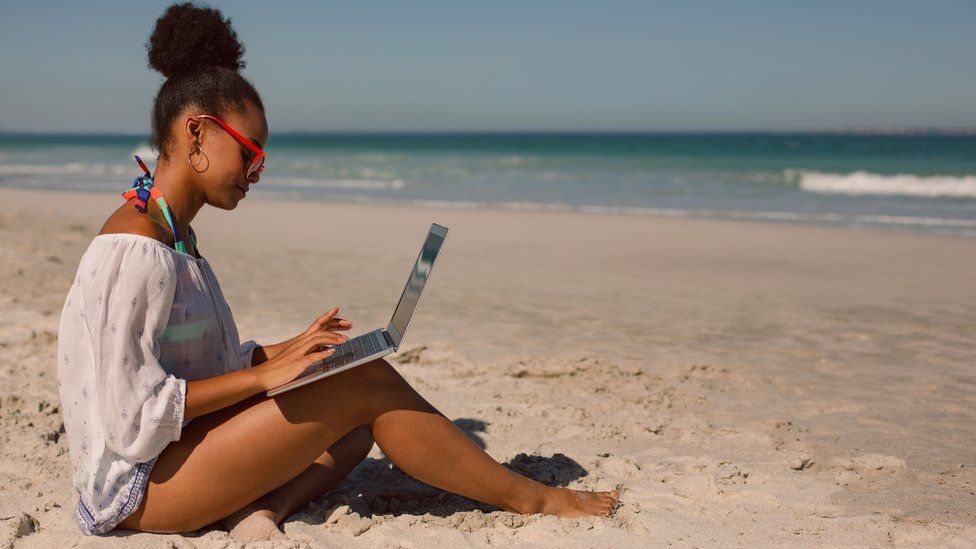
(188, 37)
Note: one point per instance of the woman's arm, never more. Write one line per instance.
(209, 395)
(204, 396)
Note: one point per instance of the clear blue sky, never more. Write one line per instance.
(524, 65)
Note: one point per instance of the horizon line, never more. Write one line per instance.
(882, 130)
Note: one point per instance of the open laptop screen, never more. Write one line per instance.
(415, 284)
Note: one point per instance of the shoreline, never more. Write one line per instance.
(953, 227)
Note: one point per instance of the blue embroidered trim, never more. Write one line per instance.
(87, 522)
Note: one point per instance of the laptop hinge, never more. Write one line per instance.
(389, 339)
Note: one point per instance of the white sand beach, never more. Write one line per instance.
(752, 384)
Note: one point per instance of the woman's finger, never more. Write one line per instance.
(323, 338)
(342, 321)
(320, 322)
(330, 338)
(312, 333)
(324, 319)
(315, 357)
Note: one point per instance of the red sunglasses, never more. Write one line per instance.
(252, 152)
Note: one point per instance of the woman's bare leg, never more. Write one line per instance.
(230, 458)
(321, 476)
(259, 520)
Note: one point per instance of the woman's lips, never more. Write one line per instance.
(242, 189)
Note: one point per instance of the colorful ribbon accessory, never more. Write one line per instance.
(142, 189)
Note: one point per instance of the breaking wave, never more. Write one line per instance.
(867, 183)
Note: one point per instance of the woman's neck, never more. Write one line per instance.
(183, 198)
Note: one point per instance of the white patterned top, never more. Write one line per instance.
(140, 320)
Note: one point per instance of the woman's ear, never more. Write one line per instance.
(193, 129)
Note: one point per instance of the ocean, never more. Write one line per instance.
(914, 182)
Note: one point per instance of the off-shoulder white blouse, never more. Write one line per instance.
(140, 320)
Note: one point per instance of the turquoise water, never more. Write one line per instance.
(912, 182)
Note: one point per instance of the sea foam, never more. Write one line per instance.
(319, 183)
(146, 153)
(864, 183)
(71, 168)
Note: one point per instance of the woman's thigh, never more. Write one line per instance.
(233, 456)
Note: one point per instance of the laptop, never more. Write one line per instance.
(381, 342)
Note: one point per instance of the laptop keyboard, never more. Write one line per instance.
(349, 352)
(353, 350)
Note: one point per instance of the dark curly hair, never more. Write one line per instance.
(197, 51)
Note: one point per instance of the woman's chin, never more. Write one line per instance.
(228, 203)
(237, 195)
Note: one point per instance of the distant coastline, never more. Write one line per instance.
(866, 131)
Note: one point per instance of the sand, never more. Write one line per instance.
(752, 384)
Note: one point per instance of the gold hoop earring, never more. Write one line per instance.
(196, 148)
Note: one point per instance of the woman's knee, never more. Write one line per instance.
(371, 379)
(379, 387)
(379, 371)
(362, 393)
(349, 388)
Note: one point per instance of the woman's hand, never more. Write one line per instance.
(300, 352)
(325, 323)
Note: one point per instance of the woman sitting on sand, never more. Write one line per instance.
(165, 410)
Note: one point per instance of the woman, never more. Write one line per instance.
(165, 412)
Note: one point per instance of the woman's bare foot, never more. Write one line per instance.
(250, 524)
(567, 503)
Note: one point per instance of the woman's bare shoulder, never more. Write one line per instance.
(127, 219)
